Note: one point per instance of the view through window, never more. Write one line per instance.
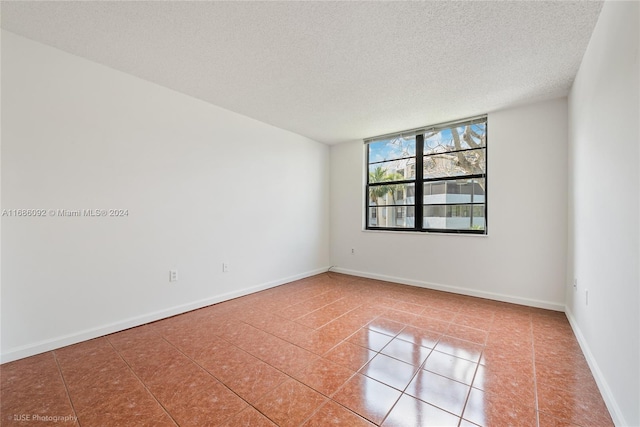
(430, 179)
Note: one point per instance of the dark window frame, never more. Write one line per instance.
(419, 182)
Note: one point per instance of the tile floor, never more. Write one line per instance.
(327, 350)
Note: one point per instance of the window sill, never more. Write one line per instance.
(424, 233)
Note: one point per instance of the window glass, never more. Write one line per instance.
(440, 174)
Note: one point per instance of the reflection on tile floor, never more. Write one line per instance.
(327, 350)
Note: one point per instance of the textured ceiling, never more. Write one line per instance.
(332, 71)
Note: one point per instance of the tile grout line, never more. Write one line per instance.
(314, 310)
(224, 384)
(325, 324)
(535, 380)
(66, 387)
(466, 401)
(142, 382)
(415, 374)
(477, 363)
(330, 398)
(213, 376)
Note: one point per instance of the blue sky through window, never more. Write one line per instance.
(391, 149)
(397, 148)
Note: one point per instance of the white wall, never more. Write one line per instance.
(522, 259)
(604, 189)
(202, 186)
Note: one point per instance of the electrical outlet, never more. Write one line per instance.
(173, 275)
(575, 285)
(225, 267)
(353, 251)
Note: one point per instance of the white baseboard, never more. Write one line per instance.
(87, 334)
(605, 391)
(454, 289)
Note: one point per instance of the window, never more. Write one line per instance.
(429, 179)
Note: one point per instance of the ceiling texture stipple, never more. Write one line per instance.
(332, 71)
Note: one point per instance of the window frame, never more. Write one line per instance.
(419, 181)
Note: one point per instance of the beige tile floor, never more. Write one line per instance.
(328, 350)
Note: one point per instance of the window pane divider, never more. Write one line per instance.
(382, 183)
(417, 222)
(454, 213)
(399, 158)
(462, 150)
(446, 204)
(454, 178)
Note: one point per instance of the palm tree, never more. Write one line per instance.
(378, 192)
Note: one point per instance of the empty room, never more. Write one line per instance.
(314, 213)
